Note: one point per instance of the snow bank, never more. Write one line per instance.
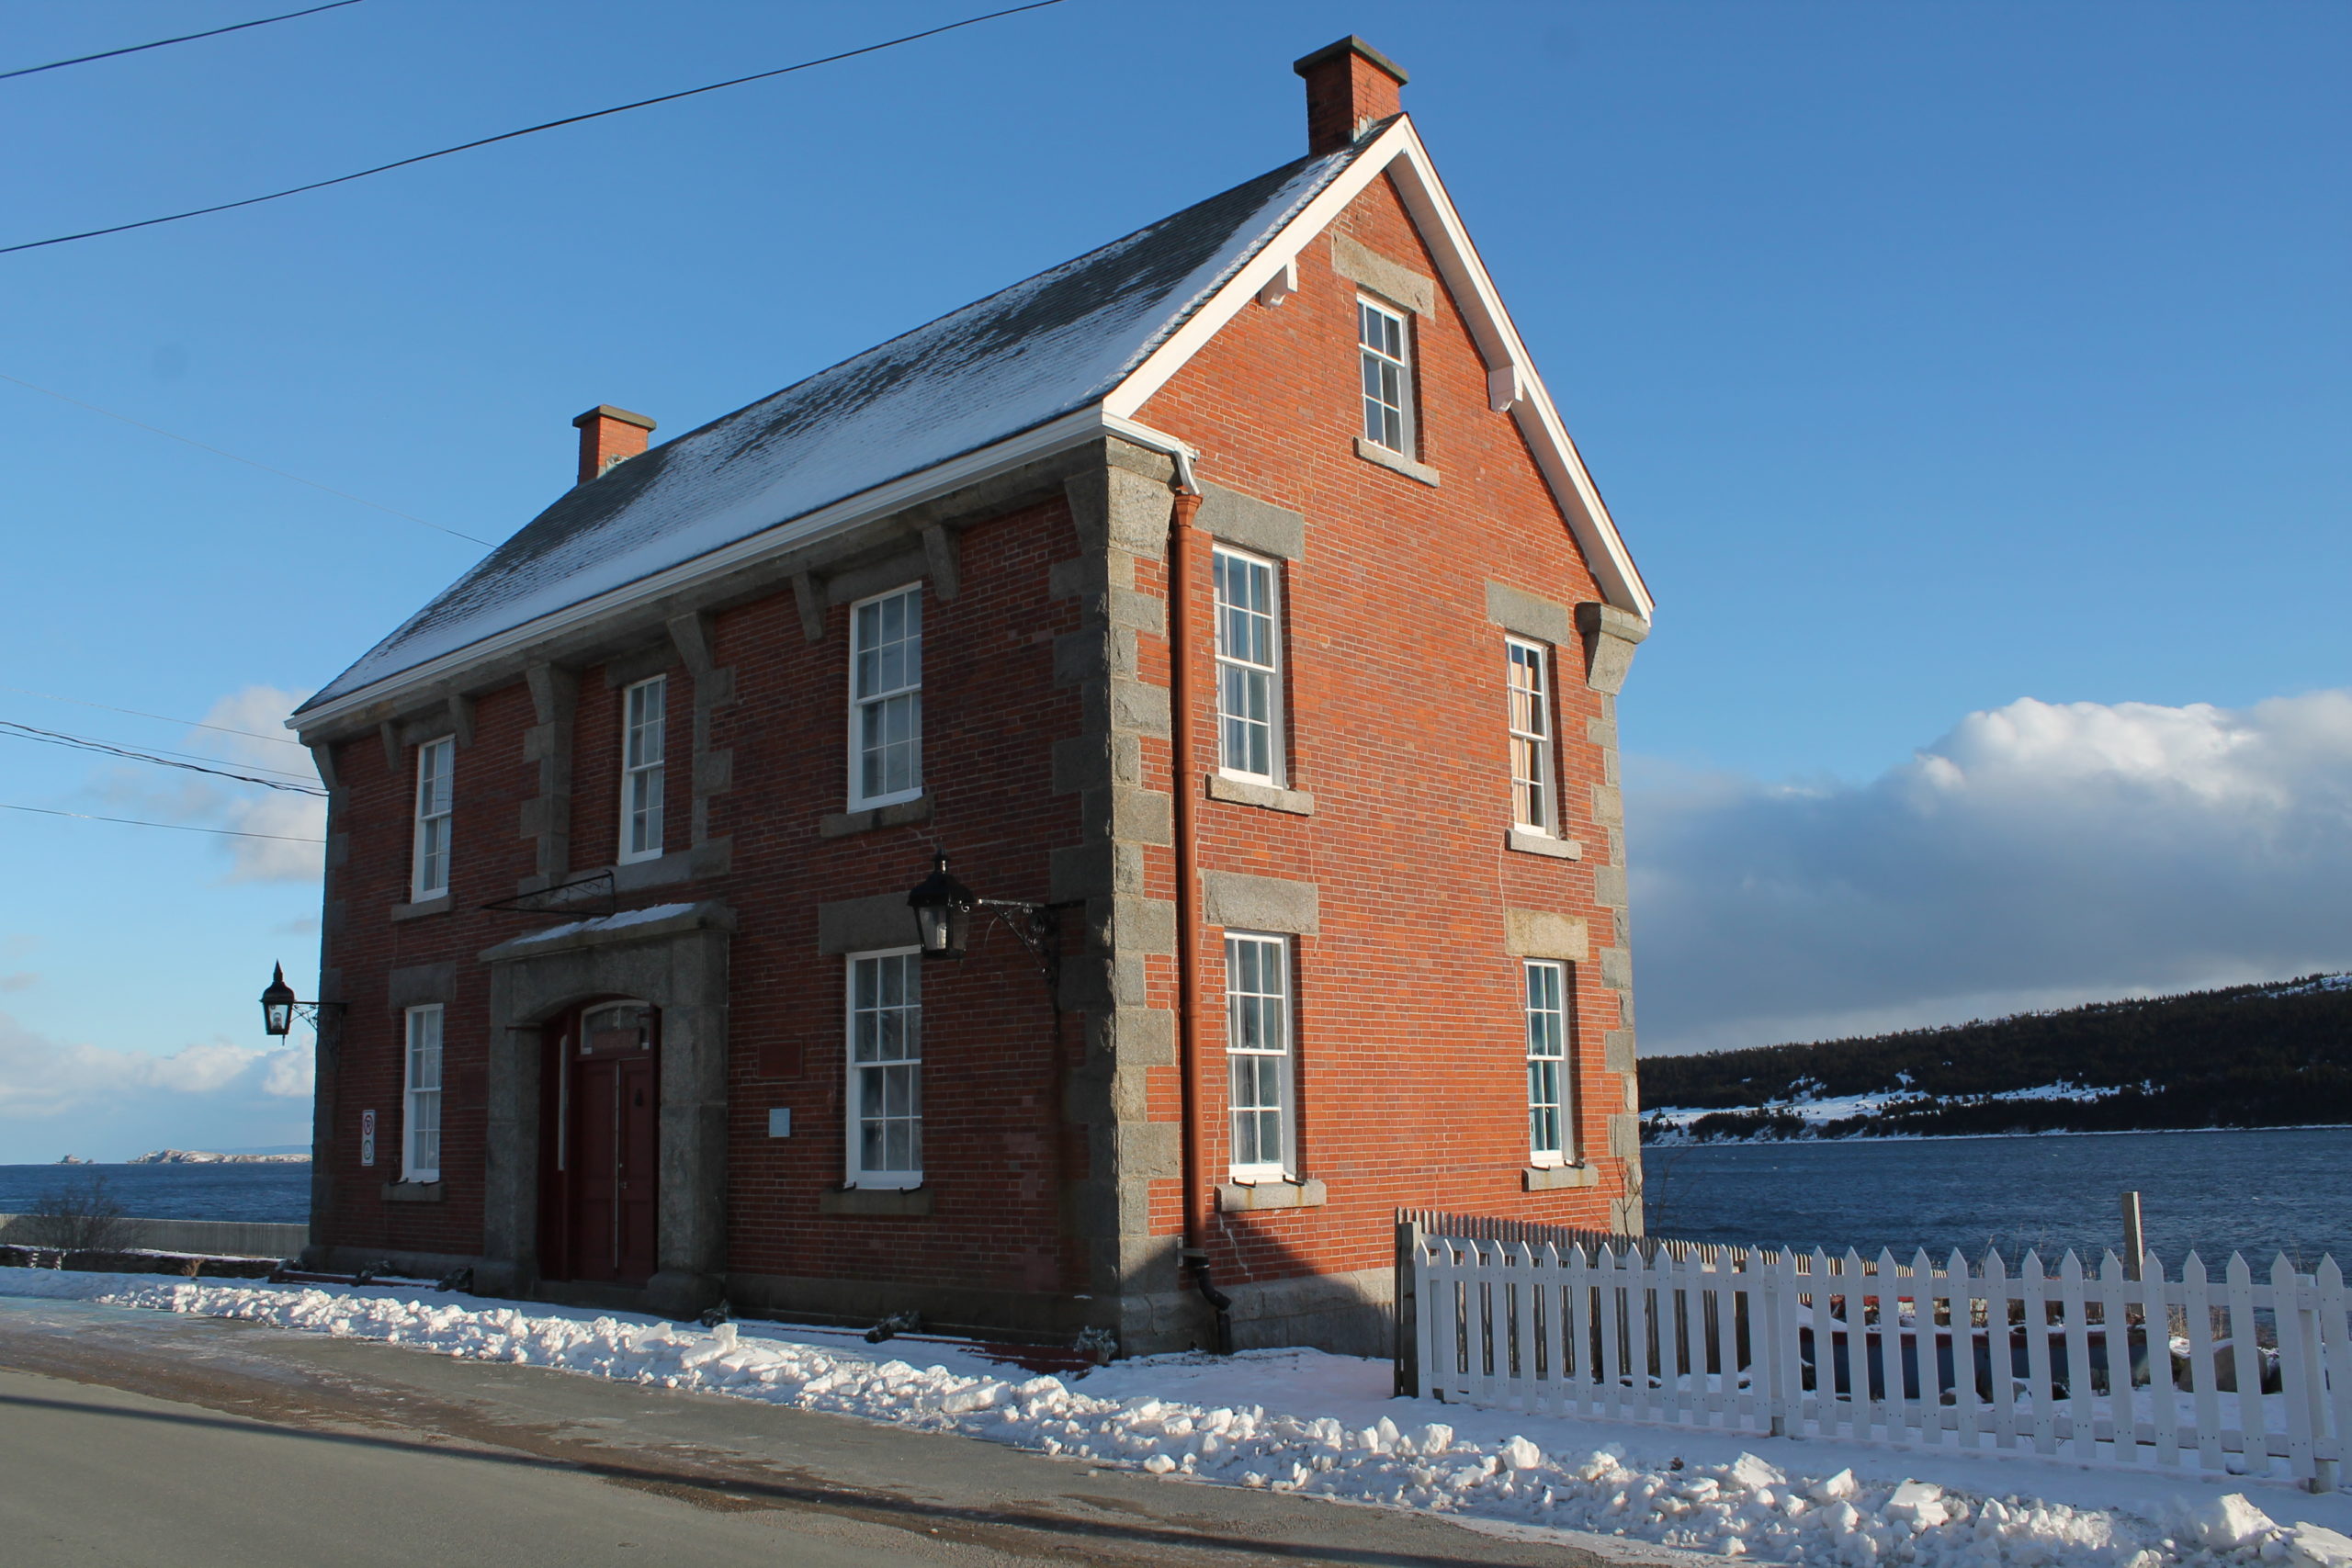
(1301, 1421)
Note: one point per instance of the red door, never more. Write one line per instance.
(602, 1187)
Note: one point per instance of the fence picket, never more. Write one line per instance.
(2294, 1370)
(2331, 1311)
(2204, 1371)
(2163, 1396)
(2033, 1286)
(2245, 1356)
(1522, 1339)
(1788, 1397)
(2000, 1352)
(1959, 1314)
(1611, 1280)
(1581, 1328)
(2083, 1417)
(1922, 1418)
(2115, 1325)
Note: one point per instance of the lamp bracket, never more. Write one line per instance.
(1035, 927)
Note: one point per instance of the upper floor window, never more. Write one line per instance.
(436, 762)
(886, 1069)
(1533, 805)
(1257, 1043)
(1249, 693)
(1386, 346)
(642, 740)
(1547, 1063)
(885, 698)
(421, 1108)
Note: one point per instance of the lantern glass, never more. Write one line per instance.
(943, 907)
(278, 1004)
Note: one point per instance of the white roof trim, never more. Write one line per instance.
(1399, 150)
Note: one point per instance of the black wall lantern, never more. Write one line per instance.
(278, 1004)
(944, 908)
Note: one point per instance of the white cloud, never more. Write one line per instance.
(2039, 854)
(111, 1104)
(22, 980)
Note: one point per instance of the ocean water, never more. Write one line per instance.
(2279, 1190)
(276, 1193)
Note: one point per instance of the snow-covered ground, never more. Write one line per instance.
(1299, 1420)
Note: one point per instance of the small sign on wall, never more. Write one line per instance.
(366, 1138)
(780, 1122)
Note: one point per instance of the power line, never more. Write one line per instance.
(87, 742)
(165, 718)
(248, 462)
(80, 743)
(532, 130)
(178, 827)
(184, 37)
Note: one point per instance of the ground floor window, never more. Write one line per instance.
(886, 1068)
(1258, 1036)
(420, 1120)
(1547, 1063)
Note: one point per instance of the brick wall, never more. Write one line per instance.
(1410, 1044)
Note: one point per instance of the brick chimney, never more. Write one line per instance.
(1349, 86)
(608, 435)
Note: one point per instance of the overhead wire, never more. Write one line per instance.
(165, 718)
(83, 743)
(161, 42)
(532, 130)
(176, 827)
(233, 458)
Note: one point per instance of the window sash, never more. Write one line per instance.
(1261, 1079)
(1382, 340)
(1549, 1126)
(421, 1085)
(1533, 805)
(1248, 674)
(885, 698)
(436, 762)
(884, 1057)
(644, 739)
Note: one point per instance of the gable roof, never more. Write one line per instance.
(1017, 359)
(1095, 337)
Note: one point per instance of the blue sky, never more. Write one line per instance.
(1935, 359)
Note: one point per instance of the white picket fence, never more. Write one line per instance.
(2247, 1377)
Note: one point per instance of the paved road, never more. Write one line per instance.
(141, 1439)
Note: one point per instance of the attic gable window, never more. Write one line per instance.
(1384, 343)
(885, 698)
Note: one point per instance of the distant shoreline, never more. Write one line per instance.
(1688, 1143)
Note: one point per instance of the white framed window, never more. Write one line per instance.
(1258, 1047)
(437, 761)
(885, 698)
(1248, 674)
(643, 716)
(420, 1097)
(1548, 1017)
(886, 1068)
(1385, 343)
(1532, 802)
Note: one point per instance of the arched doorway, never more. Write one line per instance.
(600, 1142)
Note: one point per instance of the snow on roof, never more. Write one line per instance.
(1019, 358)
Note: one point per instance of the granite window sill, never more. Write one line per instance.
(412, 1192)
(422, 908)
(1396, 462)
(1557, 1177)
(874, 1200)
(1269, 797)
(841, 824)
(1527, 841)
(1237, 1197)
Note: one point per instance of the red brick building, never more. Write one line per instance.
(1229, 604)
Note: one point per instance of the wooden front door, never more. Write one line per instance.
(600, 1197)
